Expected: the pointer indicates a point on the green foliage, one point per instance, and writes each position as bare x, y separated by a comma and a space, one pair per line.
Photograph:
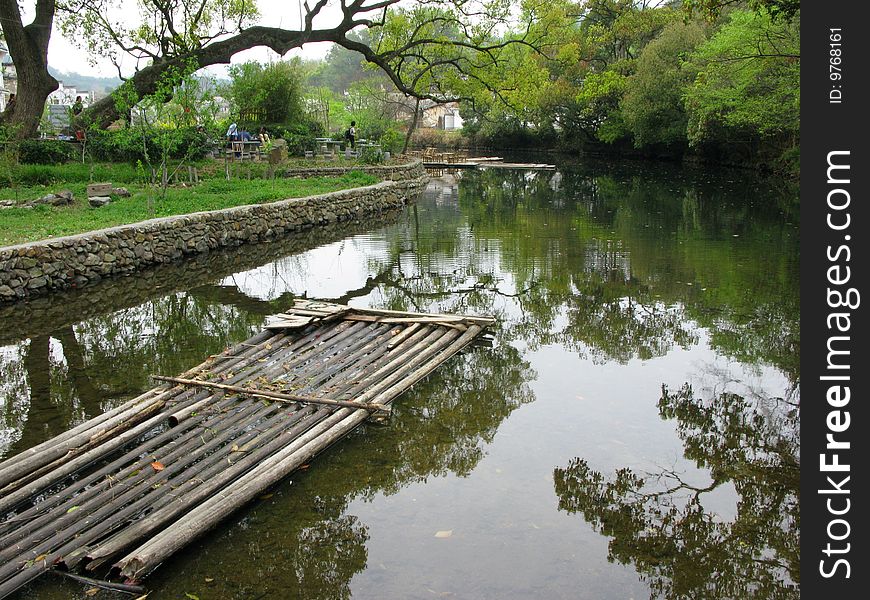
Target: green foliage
75, 173
169, 28
19, 225
299, 136
160, 125
267, 94
748, 79
8, 157
44, 152
652, 105
129, 146
778, 9
391, 140
596, 106
342, 67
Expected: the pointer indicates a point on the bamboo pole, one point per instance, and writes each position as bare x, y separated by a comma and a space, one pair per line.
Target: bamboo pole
216, 508
83, 488
335, 369
403, 335
81, 460
34, 461
104, 521
191, 473
93, 507
46, 452
213, 482
482, 321
146, 526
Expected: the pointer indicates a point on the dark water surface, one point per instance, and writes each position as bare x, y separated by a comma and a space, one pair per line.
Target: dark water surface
632, 433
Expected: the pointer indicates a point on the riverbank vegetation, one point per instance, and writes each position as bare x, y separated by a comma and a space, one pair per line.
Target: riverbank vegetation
18, 225
655, 80
712, 80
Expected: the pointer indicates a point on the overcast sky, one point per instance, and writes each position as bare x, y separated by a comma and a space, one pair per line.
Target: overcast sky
68, 57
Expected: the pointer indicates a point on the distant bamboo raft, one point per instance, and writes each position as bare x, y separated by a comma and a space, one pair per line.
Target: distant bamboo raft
134, 485
440, 162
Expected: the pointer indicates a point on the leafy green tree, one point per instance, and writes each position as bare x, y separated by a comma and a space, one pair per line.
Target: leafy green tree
652, 106
748, 80
269, 93
595, 108
778, 9
342, 67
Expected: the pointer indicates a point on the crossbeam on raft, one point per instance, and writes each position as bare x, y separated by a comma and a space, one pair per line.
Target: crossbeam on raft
273, 395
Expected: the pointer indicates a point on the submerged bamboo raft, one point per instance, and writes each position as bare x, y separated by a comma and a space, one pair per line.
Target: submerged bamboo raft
123, 491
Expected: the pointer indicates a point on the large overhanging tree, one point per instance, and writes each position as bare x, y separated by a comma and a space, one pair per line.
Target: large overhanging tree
436, 42
28, 45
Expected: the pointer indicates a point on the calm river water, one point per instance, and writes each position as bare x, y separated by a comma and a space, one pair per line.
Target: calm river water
632, 432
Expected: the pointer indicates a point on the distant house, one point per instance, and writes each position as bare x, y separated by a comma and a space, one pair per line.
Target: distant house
432, 114
4, 93
66, 95
441, 116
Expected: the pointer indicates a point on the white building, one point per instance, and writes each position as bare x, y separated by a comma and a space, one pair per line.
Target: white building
442, 116
4, 93
66, 96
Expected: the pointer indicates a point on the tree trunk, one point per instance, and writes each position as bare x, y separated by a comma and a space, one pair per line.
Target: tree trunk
412, 127
28, 47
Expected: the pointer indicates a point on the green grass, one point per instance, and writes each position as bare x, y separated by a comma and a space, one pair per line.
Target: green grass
18, 225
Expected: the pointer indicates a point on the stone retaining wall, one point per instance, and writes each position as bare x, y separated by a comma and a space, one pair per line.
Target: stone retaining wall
74, 261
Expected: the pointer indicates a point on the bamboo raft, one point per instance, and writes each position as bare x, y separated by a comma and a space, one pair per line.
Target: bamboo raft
123, 491
486, 163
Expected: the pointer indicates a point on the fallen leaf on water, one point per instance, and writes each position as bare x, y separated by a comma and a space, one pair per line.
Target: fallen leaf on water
157, 465
444, 533
142, 597
71, 509
303, 467
209, 579
191, 596
266, 496
92, 591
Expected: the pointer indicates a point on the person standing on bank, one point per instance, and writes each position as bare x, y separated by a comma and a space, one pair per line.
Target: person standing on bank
10, 104
77, 106
350, 134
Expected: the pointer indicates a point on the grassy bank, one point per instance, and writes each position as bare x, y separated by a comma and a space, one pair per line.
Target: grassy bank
18, 225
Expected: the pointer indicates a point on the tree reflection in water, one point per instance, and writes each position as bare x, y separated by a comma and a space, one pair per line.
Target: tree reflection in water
609, 266
304, 540
658, 522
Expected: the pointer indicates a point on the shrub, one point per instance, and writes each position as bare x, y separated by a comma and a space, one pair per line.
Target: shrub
298, 135
392, 140
44, 152
74, 172
128, 146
